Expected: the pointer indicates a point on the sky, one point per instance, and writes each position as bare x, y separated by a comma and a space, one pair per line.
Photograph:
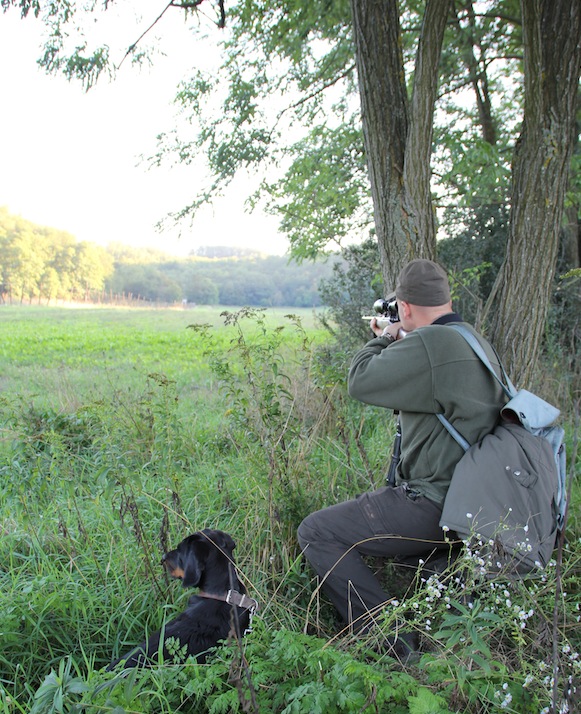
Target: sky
70, 159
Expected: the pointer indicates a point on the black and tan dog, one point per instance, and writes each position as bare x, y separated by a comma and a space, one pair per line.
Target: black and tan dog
221, 606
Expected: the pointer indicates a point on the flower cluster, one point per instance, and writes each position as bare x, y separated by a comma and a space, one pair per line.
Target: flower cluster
505, 695
511, 612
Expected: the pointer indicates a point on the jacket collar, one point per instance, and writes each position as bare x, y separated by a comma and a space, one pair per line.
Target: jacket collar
448, 317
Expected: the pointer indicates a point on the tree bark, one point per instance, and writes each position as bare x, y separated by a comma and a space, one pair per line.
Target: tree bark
397, 136
520, 298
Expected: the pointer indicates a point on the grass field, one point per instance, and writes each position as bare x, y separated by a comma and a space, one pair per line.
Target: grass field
125, 430
65, 356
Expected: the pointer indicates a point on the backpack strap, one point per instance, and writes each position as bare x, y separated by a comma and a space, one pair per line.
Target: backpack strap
454, 432
507, 385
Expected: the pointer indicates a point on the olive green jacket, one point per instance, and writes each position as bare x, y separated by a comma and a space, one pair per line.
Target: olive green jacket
432, 370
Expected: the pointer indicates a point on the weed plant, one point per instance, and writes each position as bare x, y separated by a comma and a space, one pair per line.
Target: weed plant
241, 424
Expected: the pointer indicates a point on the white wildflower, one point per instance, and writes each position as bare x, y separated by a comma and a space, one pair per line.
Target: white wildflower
506, 701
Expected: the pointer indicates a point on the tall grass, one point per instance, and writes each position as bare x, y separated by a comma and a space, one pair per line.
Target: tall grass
143, 428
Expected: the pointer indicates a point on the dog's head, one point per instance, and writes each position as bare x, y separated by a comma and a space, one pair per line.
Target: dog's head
206, 550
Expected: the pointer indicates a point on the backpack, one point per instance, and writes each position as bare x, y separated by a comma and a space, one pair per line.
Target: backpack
509, 489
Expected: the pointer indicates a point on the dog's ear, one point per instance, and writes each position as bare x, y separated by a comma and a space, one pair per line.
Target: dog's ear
227, 542
222, 541
193, 561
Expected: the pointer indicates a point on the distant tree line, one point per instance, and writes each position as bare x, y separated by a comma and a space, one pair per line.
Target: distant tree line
46, 265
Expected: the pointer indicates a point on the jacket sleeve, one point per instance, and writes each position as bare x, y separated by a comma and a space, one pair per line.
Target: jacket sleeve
395, 376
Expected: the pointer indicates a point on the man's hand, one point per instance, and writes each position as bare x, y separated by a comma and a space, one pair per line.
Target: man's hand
393, 329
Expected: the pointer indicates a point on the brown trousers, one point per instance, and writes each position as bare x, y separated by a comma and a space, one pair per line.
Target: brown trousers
388, 522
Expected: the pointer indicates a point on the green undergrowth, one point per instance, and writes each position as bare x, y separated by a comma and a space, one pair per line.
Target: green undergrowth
252, 434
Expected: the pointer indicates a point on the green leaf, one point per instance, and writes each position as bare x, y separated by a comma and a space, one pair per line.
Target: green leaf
426, 702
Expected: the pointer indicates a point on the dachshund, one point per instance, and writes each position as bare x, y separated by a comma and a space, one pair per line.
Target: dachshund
220, 608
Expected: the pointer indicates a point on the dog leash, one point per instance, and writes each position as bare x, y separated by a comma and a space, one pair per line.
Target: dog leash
237, 598
233, 596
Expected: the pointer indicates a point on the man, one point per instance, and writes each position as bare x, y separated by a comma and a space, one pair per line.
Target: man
419, 368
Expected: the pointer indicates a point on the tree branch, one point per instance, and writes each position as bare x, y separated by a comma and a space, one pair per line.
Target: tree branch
190, 4
138, 40
319, 90
185, 5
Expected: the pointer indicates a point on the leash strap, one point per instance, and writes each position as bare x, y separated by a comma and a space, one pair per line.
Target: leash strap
233, 597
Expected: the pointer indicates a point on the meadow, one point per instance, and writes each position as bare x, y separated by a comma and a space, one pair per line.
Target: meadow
125, 430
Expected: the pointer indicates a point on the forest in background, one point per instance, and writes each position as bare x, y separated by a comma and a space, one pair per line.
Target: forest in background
43, 265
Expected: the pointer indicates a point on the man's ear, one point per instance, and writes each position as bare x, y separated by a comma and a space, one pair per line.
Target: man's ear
404, 309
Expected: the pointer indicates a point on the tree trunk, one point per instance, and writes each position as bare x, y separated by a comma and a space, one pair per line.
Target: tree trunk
570, 248
398, 139
552, 65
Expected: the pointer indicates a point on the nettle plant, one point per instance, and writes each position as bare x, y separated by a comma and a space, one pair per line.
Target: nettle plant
269, 399
253, 378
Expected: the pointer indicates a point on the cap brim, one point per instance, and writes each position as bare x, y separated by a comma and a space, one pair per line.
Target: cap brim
390, 297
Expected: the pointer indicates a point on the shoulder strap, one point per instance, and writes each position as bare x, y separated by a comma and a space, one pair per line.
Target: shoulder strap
508, 388
507, 385
453, 432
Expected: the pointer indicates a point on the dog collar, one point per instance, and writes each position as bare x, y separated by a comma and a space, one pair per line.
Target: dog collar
233, 597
